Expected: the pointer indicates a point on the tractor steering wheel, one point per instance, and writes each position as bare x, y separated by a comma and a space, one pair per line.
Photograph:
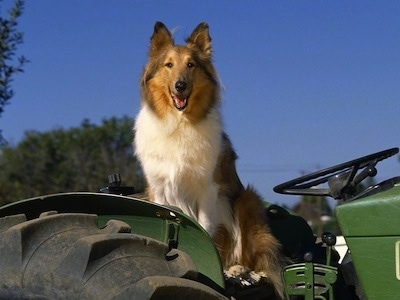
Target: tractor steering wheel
341, 179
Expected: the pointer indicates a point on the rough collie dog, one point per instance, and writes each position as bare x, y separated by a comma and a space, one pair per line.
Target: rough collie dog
189, 161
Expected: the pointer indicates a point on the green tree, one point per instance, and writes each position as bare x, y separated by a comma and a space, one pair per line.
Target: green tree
10, 38
317, 212
77, 159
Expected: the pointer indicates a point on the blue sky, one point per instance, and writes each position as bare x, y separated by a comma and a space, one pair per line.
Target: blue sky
307, 84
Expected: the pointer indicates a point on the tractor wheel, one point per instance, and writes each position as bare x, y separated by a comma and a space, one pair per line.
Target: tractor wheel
66, 256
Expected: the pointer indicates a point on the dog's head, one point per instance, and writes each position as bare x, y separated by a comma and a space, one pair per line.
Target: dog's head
180, 77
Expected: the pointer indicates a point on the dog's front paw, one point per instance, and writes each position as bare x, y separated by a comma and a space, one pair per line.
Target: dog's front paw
242, 276
236, 270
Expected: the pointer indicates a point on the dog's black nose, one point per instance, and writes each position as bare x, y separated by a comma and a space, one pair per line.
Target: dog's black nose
180, 86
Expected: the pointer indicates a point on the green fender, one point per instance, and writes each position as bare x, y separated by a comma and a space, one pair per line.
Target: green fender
162, 223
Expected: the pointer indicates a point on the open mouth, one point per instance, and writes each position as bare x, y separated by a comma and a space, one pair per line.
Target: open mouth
180, 101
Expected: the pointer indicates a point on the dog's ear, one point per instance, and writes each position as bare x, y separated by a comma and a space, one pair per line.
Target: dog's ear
160, 39
200, 38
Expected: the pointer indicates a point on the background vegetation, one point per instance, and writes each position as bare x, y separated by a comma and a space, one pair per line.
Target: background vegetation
10, 65
77, 159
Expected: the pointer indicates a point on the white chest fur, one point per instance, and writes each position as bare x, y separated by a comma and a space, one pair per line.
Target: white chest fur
179, 159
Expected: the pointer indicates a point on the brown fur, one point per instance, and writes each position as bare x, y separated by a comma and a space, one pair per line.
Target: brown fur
157, 80
261, 251
192, 63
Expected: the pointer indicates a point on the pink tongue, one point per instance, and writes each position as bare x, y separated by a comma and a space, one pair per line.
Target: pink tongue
179, 101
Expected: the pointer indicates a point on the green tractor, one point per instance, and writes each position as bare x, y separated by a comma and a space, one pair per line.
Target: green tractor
112, 245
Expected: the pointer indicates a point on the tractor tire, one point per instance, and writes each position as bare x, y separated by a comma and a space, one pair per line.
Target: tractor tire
66, 256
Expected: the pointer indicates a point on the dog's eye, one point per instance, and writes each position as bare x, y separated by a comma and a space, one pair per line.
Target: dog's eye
169, 65
190, 65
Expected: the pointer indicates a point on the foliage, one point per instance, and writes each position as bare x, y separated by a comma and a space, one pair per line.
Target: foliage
78, 159
10, 38
318, 214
